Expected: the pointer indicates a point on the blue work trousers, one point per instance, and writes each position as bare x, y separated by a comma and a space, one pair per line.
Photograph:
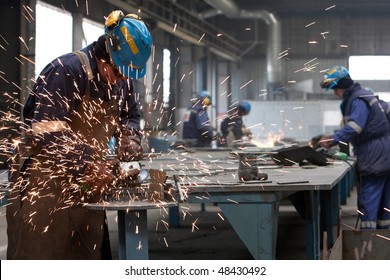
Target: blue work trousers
374, 202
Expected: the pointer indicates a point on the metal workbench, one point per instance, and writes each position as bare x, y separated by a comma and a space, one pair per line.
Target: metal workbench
253, 208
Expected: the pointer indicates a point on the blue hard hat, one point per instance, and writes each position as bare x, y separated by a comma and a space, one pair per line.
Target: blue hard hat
129, 43
205, 97
333, 76
246, 107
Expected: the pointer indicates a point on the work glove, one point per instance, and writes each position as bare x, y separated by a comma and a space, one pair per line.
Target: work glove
129, 147
246, 132
314, 142
326, 141
97, 177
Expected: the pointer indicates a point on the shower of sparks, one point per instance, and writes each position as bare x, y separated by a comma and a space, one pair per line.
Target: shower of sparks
255, 125
194, 226
26, 58
310, 61
225, 80
166, 225
21, 39
201, 38
177, 61
1, 36
384, 237
283, 54
263, 93
166, 242
29, 11
331, 7
323, 34
310, 24
325, 140
246, 84
348, 226
308, 66
231, 200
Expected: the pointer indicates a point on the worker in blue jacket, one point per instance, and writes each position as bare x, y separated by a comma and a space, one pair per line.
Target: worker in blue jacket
366, 128
79, 101
196, 123
232, 127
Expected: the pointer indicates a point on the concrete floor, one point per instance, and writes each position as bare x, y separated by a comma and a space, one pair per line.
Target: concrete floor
213, 238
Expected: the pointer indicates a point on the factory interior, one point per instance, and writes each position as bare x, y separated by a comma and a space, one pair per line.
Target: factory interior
268, 196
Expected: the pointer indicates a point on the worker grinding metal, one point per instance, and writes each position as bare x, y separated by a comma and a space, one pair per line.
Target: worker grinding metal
366, 127
79, 101
233, 128
196, 123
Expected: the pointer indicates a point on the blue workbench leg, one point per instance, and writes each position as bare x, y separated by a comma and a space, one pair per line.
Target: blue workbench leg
312, 224
344, 189
133, 235
330, 206
174, 217
257, 226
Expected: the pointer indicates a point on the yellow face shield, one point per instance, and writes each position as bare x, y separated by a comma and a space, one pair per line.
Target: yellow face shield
206, 101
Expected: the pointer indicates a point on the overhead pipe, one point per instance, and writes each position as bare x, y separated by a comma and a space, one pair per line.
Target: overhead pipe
274, 37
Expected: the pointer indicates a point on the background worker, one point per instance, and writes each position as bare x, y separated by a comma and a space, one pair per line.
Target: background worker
233, 128
78, 102
366, 127
196, 123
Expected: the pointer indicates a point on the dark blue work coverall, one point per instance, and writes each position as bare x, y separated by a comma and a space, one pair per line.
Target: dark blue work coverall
366, 127
196, 125
78, 115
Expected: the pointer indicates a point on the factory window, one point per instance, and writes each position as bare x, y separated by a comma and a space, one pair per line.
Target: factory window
369, 67
53, 34
166, 75
91, 31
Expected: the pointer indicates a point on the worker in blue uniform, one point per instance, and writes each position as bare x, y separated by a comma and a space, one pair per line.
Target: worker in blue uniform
196, 123
232, 127
366, 127
79, 101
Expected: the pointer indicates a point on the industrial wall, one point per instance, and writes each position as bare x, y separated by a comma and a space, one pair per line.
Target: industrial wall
272, 121
310, 44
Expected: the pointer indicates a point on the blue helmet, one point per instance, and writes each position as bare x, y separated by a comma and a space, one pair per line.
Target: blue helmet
129, 43
205, 97
244, 107
333, 76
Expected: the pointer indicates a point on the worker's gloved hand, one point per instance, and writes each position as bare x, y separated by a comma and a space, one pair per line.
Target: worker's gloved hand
326, 141
97, 176
129, 147
314, 142
246, 132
